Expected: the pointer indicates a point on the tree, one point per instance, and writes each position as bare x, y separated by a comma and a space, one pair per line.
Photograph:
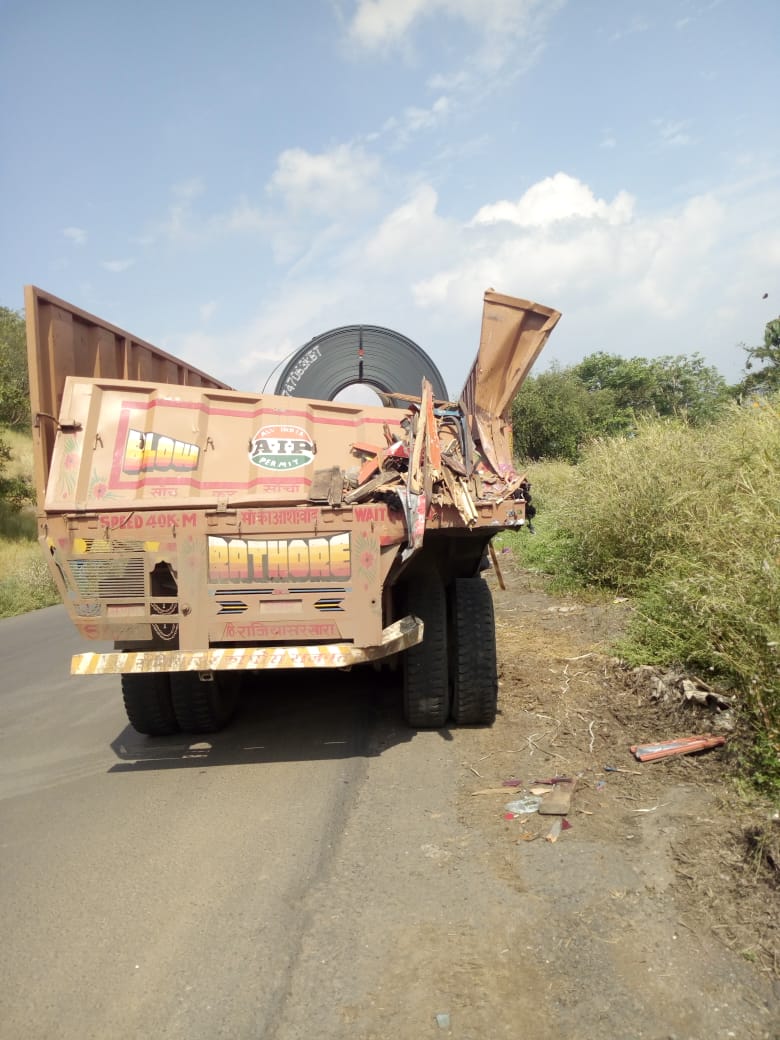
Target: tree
14, 491
632, 382
14, 401
680, 385
555, 413
558, 411
767, 377
14, 380
686, 386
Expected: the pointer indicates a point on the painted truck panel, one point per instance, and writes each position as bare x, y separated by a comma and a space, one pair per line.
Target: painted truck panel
206, 529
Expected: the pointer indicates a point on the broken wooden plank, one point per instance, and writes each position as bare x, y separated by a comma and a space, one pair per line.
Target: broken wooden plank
433, 445
336, 489
378, 483
496, 568
558, 801
371, 465
414, 481
321, 484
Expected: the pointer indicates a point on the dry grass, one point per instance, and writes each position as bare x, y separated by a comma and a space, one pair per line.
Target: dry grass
687, 523
25, 583
21, 462
24, 579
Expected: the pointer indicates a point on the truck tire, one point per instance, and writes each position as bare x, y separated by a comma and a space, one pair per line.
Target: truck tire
202, 707
473, 653
149, 705
425, 671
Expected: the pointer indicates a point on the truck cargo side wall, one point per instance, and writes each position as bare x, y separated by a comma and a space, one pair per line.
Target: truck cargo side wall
64, 341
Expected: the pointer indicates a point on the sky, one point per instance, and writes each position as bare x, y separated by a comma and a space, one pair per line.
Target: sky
227, 180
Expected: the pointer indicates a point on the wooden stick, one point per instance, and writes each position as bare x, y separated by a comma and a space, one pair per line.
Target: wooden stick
494, 558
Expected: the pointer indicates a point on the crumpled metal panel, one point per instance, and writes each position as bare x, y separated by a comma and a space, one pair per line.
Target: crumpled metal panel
513, 334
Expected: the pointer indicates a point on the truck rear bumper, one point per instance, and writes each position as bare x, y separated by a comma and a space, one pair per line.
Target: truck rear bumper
398, 636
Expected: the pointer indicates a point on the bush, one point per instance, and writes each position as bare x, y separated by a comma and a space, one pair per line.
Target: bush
687, 521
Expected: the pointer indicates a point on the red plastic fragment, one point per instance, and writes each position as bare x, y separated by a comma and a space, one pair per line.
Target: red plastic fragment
683, 746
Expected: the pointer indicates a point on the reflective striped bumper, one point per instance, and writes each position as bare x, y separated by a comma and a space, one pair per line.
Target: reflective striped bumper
398, 636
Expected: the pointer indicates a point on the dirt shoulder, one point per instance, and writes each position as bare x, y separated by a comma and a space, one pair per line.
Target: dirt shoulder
654, 899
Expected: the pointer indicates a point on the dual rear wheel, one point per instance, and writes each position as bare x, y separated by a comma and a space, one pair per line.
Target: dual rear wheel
159, 704
453, 672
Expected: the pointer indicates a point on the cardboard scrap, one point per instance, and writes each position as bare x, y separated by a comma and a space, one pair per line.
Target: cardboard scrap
558, 801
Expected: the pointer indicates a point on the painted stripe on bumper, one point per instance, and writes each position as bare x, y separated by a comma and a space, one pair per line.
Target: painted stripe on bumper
398, 636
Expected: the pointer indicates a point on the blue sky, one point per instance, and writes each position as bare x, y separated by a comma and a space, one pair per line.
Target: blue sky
228, 180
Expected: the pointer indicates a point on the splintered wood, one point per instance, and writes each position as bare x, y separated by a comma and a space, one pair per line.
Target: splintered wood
435, 462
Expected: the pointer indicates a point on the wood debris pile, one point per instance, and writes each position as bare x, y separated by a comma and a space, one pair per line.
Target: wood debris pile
436, 463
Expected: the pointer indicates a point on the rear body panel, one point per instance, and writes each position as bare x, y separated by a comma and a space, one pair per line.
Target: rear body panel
181, 517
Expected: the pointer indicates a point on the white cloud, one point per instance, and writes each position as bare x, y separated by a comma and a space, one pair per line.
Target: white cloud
178, 222
187, 190
652, 266
332, 182
673, 133
117, 266
554, 199
186, 224
77, 235
498, 29
242, 218
380, 22
207, 310
414, 119
636, 25
411, 234
246, 356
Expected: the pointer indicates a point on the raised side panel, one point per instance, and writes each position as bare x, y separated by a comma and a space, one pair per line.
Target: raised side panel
64, 341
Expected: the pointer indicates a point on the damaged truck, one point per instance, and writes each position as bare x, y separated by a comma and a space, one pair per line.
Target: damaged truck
210, 534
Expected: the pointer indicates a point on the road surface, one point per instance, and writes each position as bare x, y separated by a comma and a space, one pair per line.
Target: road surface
309, 873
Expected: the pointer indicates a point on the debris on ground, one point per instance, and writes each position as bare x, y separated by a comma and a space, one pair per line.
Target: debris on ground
558, 801
568, 707
555, 832
683, 746
671, 686
524, 806
556, 829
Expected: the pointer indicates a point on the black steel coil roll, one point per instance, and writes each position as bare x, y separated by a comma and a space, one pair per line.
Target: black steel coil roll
354, 354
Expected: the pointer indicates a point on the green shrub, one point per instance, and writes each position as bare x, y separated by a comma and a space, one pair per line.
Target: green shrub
687, 521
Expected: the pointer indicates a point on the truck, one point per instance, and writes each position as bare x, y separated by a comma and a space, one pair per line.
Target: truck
210, 534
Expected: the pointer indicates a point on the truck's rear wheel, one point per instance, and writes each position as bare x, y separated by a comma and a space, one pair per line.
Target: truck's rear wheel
473, 653
202, 706
148, 704
426, 680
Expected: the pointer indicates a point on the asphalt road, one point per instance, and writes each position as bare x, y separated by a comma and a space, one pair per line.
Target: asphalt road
319, 871
256, 884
